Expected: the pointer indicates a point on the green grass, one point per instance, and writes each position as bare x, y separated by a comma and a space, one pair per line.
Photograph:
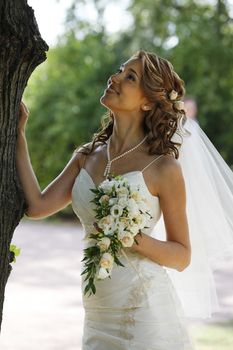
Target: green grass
218, 336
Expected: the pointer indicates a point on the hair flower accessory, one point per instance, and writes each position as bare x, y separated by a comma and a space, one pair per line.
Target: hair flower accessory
179, 105
173, 95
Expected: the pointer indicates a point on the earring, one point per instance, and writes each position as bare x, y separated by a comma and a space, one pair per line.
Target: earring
145, 108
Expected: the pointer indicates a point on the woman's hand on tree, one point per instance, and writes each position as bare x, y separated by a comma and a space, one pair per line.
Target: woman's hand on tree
23, 116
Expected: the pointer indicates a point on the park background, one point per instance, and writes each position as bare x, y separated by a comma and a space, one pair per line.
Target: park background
43, 300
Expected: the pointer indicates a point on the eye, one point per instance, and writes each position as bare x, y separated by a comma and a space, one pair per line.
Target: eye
130, 76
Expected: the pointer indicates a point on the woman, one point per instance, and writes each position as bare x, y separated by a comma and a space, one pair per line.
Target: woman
138, 307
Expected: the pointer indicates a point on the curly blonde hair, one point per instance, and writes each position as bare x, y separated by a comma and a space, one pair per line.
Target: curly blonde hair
162, 121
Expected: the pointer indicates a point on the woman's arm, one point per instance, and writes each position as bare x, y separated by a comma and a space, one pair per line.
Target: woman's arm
175, 252
57, 194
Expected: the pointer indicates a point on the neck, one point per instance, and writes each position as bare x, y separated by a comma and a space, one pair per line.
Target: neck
126, 134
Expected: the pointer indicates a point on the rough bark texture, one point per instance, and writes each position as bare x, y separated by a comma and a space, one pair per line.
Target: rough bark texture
21, 50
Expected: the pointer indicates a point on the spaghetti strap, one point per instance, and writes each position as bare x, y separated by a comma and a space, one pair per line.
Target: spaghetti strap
84, 159
151, 162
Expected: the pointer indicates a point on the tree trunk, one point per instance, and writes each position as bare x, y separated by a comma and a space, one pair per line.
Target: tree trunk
21, 50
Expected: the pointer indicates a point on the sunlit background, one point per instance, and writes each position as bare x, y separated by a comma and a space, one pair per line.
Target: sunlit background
88, 40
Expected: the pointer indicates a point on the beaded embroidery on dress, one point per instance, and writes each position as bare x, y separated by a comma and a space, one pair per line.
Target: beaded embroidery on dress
138, 307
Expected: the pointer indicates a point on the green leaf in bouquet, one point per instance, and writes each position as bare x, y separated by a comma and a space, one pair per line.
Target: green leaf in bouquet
117, 261
94, 190
91, 251
93, 288
90, 287
88, 275
84, 271
87, 288
85, 258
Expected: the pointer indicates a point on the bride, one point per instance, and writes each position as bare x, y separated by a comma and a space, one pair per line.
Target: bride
144, 140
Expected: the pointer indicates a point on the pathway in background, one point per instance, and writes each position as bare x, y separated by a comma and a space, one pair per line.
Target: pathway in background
43, 308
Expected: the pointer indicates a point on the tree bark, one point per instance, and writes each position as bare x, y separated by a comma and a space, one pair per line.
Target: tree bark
21, 50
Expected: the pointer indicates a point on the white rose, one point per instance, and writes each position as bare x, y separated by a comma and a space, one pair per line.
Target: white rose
107, 261
105, 221
103, 273
116, 210
136, 196
122, 191
106, 186
122, 201
126, 238
104, 199
104, 243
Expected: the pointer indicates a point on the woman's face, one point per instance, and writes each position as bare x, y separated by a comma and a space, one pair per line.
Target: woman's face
124, 92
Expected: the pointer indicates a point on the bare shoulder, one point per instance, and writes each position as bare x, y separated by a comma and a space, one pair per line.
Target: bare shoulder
169, 163
82, 152
169, 170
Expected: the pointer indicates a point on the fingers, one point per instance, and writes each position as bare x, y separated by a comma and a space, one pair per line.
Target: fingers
23, 107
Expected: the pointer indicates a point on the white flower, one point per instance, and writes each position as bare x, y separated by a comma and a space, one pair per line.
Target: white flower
107, 186
109, 230
104, 243
122, 191
134, 188
104, 199
105, 221
126, 238
107, 224
120, 226
173, 95
125, 221
116, 211
122, 201
107, 261
141, 220
132, 207
179, 105
136, 196
112, 201
134, 229
103, 273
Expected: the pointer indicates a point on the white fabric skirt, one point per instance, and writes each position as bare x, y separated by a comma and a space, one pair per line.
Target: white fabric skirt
135, 310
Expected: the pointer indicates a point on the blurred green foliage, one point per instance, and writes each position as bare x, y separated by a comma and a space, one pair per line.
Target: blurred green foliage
212, 336
63, 94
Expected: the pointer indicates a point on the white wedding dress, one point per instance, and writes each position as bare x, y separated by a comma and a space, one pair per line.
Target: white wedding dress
138, 308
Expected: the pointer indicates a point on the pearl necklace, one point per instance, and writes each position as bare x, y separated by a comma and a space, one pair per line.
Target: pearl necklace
108, 166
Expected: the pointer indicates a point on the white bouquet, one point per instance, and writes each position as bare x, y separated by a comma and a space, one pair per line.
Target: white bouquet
121, 212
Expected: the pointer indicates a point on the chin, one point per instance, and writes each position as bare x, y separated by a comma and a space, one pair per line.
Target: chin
104, 102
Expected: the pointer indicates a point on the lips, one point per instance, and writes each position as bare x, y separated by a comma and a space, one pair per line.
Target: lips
112, 88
